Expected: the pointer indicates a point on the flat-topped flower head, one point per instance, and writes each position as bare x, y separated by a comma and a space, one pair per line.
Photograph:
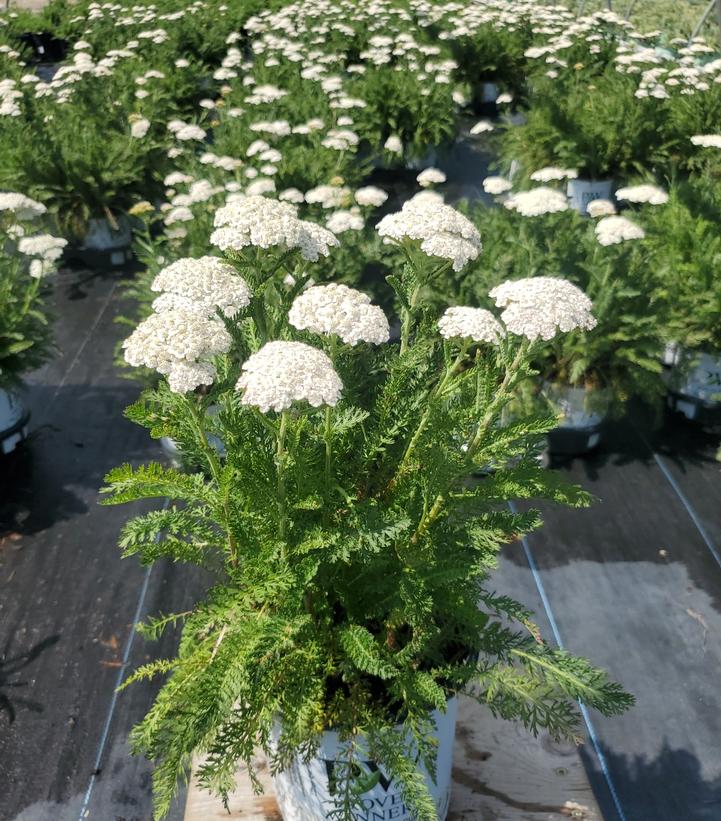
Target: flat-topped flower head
476, 324
539, 307
370, 195
180, 344
205, 283
552, 174
650, 194
281, 373
537, 201
600, 208
267, 223
482, 127
430, 176
707, 140
22, 207
345, 220
393, 144
44, 246
496, 185
342, 311
614, 230
442, 231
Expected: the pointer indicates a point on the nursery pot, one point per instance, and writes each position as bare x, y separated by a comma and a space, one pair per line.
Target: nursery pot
483, 100
581, 192
305, 790
107, 243
13, 421
582, 412
695, 389
47, 48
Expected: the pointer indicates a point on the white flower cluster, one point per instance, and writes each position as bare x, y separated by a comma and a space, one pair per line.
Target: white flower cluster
537, 201
707, 140
139, 128
328, 196
496, 185
342, 311
539, 307
552, 174
185, 131
430, 176
600, 208
179, 344
46, 249
21, 206
650, 194
614, 230
477, 324
393, 144
202, 284
370, 195
442, 231
281, 373
345, 220
482, 127
265, 223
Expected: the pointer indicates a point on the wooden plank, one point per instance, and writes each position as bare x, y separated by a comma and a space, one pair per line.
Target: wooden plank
500, 773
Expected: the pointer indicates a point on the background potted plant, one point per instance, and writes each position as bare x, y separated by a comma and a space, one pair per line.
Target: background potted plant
685, 233
592, 123
87, 161
26, 258
582, 375
351, 555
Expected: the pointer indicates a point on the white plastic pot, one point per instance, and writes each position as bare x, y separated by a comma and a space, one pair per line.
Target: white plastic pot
696, 386
13, 421
581, 414
102, 237
305, 790
582, 192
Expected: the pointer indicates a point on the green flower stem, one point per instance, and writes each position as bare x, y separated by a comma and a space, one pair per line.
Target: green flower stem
451, 371
280, 462
502, 395
216, 471
332, 350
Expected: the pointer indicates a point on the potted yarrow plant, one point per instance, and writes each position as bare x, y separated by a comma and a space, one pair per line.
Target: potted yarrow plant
350, 548
689, 252
26, 258
593, 124
583, 375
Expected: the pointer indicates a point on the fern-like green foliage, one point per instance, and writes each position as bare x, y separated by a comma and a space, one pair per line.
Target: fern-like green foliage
352, 550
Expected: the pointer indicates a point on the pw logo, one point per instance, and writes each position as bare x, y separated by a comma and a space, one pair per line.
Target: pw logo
373, 776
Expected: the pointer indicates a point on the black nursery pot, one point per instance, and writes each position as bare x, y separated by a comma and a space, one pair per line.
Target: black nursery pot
563, 441
697, 410
483, 101
47, 48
